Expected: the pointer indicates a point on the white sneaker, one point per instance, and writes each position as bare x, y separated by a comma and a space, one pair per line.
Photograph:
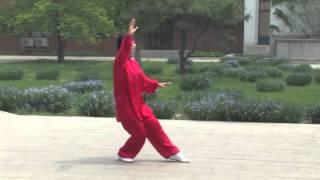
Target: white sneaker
126, 160
179, 158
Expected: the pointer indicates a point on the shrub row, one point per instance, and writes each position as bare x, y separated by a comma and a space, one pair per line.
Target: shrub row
225, 107
96, 104
191, 82
255, 60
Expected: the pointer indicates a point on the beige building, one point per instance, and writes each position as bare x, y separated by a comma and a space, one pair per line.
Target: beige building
260, 39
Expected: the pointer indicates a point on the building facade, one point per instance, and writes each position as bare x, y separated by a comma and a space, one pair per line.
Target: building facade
285, 42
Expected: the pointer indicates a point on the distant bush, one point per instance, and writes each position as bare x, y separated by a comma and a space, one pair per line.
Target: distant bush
241, 60
84, 86
270, 85
255, 60
291, 113
233, 63
88, 75
226, 70
83, 53
206, 54
274, 73
52, 99
224, 107
173, 61
10, 99
153, 70
316, 76
195, 81
286, 67
11, 74
271, 61
188, 67
211, 106
163, 109
203, 69
231, 72
150, 97
299, 79
96, 104
314, 112
302, 68
48, 75
218, 68
253, 74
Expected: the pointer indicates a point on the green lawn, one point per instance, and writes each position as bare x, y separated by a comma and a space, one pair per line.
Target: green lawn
70, 70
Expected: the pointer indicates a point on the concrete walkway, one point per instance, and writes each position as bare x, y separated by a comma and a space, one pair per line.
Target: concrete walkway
78, 148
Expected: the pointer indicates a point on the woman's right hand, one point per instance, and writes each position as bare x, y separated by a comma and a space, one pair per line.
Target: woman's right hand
164, 84
132, 27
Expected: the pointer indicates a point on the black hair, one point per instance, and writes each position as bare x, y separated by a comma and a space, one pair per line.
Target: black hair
119, 41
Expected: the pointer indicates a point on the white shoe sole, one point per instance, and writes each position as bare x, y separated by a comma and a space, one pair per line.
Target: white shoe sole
125, 160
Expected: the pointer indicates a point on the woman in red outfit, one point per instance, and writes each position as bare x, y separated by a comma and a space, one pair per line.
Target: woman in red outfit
136, 117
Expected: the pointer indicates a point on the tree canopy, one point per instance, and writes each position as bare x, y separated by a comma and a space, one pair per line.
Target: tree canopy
78, 19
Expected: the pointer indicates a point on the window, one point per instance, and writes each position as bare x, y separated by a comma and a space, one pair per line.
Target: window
264, 22
160, 39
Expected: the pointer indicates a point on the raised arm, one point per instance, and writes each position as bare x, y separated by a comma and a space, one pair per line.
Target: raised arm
127, 41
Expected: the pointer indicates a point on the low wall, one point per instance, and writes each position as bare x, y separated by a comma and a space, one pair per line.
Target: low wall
297, 49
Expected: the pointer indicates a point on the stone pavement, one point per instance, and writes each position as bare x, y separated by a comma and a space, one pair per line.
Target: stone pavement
78, 148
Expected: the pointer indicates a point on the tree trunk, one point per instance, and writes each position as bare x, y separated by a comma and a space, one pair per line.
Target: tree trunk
183, 59
61, 43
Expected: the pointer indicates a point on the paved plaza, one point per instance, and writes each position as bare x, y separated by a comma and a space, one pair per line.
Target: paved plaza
78, 148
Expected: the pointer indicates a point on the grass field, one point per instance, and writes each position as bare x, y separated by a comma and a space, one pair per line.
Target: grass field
70, 70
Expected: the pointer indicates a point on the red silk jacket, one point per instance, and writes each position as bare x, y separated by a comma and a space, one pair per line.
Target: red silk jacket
130, 83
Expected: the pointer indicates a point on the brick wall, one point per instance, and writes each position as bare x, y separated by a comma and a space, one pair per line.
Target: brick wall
227, 40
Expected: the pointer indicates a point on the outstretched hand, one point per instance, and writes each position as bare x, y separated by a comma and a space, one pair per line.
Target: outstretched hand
164, 84
132, 27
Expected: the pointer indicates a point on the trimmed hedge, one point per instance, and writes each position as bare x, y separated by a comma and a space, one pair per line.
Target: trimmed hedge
163, 109
173, 61
11, 74
10, 99
52, 99
302, 68
48, 75
314, 112
316, 76
88, 75
191, 82
274, 73
96, 104
206, 54
84, 86
153, 70
252, 75
299, 79
224, 107
233, 63
286, 67
256, 60
270, 85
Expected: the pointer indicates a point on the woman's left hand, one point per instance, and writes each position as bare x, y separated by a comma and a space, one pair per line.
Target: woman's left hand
164, 84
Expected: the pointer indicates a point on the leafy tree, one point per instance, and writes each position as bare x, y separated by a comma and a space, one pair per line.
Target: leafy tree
78, 19
188, 15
